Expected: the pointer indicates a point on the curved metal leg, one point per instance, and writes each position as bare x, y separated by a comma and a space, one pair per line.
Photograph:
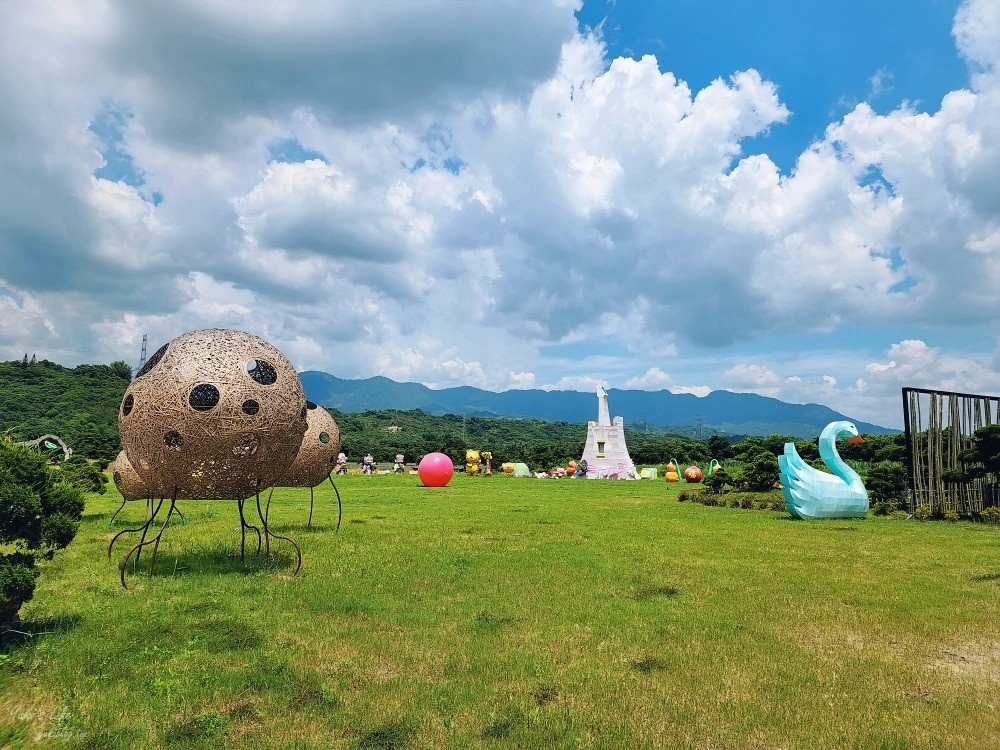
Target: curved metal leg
268, 534
243, 531
111, 522
137, 549
340, 505
144, 528
309, 525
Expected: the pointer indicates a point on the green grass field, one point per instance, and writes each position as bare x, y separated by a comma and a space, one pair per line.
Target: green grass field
500, 612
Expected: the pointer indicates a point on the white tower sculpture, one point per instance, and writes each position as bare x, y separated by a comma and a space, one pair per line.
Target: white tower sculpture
605, 452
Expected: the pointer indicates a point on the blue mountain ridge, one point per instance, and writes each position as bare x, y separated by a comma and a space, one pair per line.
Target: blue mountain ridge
721, 411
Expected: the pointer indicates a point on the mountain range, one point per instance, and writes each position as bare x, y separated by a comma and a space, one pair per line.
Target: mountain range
722, 412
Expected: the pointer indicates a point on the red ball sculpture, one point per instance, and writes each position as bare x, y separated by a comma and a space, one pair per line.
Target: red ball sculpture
692, 474
435, 470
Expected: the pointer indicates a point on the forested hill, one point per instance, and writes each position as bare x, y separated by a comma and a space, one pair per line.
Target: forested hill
79, 404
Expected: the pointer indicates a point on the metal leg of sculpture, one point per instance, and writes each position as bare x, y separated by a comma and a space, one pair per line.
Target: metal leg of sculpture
153, 513
111, 522
137, 549
309, 525
144, 528
243, 531
268, 534
340, 505
156, 546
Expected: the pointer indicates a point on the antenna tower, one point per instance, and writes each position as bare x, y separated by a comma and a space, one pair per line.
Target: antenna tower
142, 357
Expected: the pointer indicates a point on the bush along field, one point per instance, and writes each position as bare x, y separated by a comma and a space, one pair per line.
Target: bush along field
516, 613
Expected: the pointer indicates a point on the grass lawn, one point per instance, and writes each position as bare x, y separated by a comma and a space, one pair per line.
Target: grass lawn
500, 612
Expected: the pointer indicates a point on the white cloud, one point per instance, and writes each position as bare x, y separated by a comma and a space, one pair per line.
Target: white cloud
654, 379
575, 383
493, 188
695, 390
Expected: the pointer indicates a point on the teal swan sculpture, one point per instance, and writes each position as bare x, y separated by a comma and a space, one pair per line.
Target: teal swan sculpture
811, 493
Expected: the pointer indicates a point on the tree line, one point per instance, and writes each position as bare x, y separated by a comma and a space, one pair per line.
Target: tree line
79, 404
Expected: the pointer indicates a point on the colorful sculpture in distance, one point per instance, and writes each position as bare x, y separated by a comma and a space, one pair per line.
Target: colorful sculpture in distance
672, 472
435, 470
605, 451
692, 475
472, 462
813, 494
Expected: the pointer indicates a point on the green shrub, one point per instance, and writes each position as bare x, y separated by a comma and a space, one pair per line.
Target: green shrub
84, 475
991, 515
38, 515
923, 513
886, 485
885, 508
718, 482
899, 515
951, 515
762, 472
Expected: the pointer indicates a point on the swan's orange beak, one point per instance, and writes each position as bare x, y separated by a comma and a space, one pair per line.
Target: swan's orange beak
855, 439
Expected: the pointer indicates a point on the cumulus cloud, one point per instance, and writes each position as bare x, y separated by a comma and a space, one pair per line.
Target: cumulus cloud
487, 187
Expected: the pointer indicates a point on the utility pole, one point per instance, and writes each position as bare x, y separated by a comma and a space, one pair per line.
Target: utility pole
142, 357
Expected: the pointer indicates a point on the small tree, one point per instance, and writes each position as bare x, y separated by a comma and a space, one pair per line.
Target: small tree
983, 458
762, 472
717, 482
82, 474
38, 515
886, 485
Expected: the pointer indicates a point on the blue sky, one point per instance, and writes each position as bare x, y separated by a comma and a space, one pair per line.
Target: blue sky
769, 197
825, 58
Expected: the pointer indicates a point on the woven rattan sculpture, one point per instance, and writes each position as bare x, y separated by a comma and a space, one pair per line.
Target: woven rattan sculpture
128, 481
214, 414
131, 487
317, 456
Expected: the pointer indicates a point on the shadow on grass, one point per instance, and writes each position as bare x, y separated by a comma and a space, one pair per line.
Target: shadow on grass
487, 622
394, 736
987, 577
21, 632
504, 725
216, 559
653, 591
648, 665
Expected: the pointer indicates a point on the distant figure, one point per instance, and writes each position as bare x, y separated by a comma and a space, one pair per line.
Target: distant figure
341, 466
581, 470
368, 464
398, 466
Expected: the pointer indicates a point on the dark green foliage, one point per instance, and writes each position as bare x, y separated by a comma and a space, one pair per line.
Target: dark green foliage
886, 485
761, 473
983, 458
83, 474
20, 514
17, 583
78, 404
38, 515
717, 482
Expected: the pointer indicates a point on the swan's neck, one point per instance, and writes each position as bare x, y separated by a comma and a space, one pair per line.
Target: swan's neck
828, 452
